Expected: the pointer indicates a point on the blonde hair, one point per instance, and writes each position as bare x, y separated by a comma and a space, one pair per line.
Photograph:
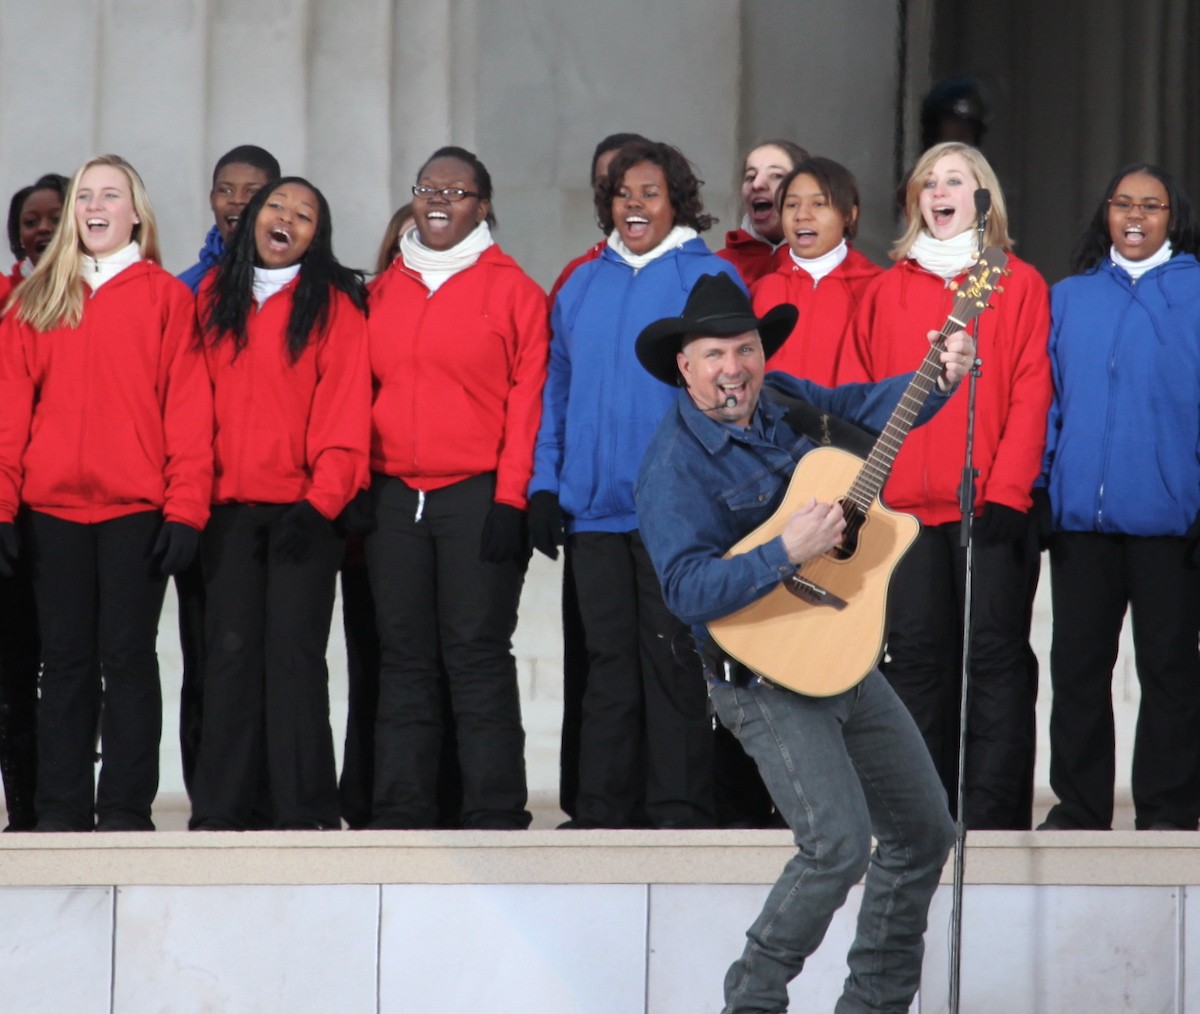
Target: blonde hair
996, 233
53, 294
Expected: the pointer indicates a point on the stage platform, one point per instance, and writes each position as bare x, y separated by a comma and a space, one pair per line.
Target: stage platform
562, 922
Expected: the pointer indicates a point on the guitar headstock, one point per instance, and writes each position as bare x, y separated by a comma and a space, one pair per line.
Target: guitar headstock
972, 296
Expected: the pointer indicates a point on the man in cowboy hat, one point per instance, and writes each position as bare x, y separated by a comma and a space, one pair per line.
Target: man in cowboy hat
842, 768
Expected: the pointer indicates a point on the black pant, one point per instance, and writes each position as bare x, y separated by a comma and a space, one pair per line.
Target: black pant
20, 653
266, 683
646, 737
1093, 578
439, 606
98, 591
575, 671
924, 665
356, 785
189, 589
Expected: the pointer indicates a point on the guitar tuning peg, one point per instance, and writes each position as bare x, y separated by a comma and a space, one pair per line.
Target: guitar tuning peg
981, 304
954, 286
999, 288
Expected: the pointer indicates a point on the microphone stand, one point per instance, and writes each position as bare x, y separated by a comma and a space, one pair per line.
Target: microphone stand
983, 203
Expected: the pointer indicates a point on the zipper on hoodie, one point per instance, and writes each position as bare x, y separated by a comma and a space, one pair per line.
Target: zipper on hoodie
1108, 414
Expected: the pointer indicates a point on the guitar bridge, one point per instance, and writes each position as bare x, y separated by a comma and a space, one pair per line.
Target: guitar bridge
813, 593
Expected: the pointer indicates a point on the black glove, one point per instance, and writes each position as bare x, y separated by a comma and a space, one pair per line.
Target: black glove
176, 546
358, 516
1000, 524
1191, 544
1043, 516
505, 535
296, 529
10, 547
545, 523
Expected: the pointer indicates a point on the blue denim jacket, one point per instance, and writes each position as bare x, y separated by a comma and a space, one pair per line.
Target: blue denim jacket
704, 484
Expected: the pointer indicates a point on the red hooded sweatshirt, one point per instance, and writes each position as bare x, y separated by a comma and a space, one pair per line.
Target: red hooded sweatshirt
826, 308
458, 375
114, 416
752, 257
888, 336
288, 431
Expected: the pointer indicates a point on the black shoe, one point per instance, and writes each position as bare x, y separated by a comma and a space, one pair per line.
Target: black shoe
52, 825
1055, 823
123, 824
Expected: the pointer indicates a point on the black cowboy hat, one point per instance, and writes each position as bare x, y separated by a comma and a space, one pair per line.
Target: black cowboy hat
716, 308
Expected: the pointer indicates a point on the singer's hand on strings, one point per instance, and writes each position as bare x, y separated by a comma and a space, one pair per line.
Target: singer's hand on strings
812, 530
957, 359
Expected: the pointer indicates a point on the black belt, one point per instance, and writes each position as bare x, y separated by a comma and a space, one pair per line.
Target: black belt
720, 667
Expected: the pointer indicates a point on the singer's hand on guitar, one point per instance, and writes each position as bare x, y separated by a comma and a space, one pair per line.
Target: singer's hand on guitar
957, 359
812, 530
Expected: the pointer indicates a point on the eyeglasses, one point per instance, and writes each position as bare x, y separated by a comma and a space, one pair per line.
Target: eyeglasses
1145, 207
449, 193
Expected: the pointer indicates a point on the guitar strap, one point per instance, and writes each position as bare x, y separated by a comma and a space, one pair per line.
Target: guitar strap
823, 429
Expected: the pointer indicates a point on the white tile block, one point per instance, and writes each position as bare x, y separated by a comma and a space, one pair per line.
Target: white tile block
246, 950
1104, 950
698, 930
513, 949
55, 949
1190, 949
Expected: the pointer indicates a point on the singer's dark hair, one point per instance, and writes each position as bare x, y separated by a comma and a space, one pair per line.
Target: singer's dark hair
613, 142
320, 273
1096, 240
51, 181
837, 184
683, 187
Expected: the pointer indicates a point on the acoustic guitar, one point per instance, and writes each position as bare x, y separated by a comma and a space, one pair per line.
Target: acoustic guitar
822, 630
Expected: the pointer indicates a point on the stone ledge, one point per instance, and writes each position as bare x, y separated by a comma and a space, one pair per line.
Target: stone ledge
556, 857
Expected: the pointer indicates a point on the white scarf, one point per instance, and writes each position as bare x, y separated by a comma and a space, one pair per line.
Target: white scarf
97, 271
437, 266
819, 267
678, 235
1135, 269
946, 258
268, 281
751, 231
25, 267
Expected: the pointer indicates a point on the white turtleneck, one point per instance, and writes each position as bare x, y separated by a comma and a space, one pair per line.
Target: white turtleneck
98, 270
748, 228
678, 235
819, 267
1135, 269
268, 281
437, 266
946, 258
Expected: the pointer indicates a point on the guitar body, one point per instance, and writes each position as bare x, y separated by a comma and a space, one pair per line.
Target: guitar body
816, 648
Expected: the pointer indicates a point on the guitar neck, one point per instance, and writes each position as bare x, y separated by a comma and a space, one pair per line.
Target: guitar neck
878, 466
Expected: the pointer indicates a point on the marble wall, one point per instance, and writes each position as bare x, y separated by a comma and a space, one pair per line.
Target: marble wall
570, 949
356, 93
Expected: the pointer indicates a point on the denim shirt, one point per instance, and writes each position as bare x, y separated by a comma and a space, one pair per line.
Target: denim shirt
704, 484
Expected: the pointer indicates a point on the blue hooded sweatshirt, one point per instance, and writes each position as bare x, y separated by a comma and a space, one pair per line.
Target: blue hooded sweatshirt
1123, 435
210, 253
599, 407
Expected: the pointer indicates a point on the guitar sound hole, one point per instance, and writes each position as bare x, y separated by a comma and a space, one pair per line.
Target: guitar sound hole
854, 523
